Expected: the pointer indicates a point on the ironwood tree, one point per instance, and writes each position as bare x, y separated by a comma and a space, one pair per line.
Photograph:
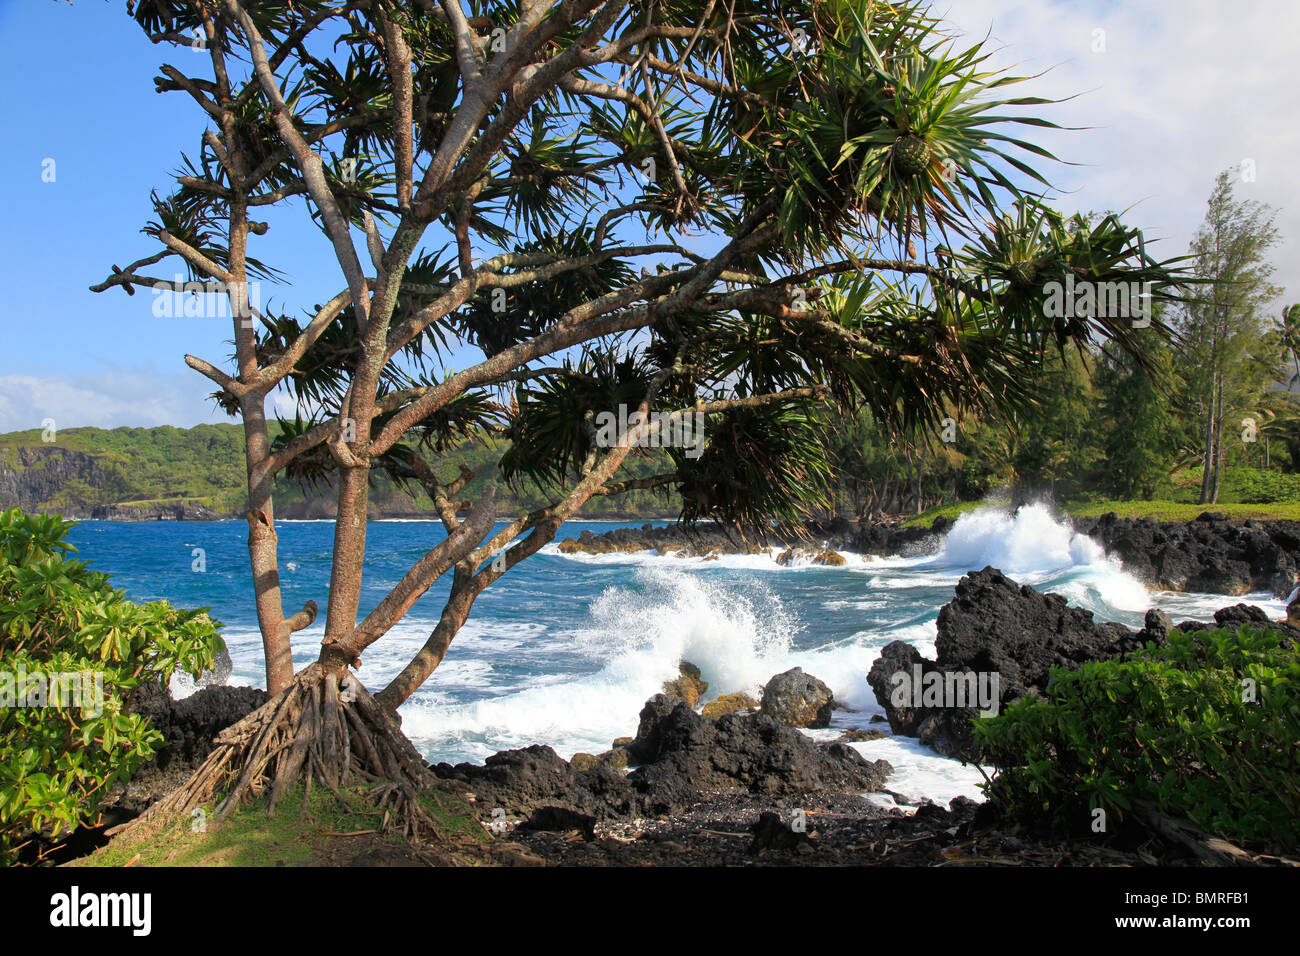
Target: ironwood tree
1229, 367
748, 212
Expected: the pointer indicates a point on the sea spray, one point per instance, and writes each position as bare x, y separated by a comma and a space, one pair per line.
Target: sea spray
536, 664
734, 631
736, 625
1030, 540
1035, 548
737, 632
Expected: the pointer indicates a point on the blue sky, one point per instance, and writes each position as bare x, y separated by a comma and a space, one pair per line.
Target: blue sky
1179, 90
81, 357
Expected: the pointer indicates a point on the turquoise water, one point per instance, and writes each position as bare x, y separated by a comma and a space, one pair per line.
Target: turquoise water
565, 650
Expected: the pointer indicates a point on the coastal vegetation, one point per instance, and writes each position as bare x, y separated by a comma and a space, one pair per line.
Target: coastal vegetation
512, 200
73, 651
777, 273
1210, 414
1203, 726
145, 472
1157, 510
1108, 425
1106, 428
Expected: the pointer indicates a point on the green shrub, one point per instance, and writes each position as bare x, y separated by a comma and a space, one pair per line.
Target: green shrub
1257, 486
63, 747
1173, 725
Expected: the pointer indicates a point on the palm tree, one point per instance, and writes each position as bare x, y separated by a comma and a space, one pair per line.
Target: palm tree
1287, 329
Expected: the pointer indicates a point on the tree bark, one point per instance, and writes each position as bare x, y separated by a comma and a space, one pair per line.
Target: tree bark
1218, 444
349, 552
263, 554
1208, 451
263, 547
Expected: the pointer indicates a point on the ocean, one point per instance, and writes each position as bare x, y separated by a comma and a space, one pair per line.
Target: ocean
565, 649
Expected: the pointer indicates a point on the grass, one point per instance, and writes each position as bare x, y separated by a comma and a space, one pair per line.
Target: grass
1184, 511
953, 511
318, 831
1160, 510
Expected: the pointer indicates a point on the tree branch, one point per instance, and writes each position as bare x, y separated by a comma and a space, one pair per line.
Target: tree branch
336, 226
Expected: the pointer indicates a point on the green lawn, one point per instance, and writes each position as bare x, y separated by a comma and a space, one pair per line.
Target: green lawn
1184, 511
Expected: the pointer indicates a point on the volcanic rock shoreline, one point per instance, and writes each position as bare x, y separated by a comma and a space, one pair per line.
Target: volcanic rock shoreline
743, 789
680, 757
749, 788
995, 626
1210, 554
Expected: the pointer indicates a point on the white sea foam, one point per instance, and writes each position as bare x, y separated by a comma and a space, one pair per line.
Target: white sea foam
579, 681
919, 773
737, 633
1028, 540
1035, 548
764, 560
1201, 607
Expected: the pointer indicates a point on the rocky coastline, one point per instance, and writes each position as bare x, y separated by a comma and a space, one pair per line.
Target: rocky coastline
995, 626
705, 791
1210, 554
730, 780
315, 509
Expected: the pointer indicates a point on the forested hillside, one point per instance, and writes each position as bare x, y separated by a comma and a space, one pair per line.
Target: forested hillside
199, 473
1107, 433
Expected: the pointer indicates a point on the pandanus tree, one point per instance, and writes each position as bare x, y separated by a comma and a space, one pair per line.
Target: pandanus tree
746, 213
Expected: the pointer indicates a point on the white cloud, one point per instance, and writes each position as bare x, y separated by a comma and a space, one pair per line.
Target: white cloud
284, 405
106, 399
1184, 89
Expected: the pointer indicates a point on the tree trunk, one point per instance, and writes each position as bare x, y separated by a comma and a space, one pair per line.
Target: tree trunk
263, 546
1208, 453
1218, 444
920, 468
349, 554
263, 553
